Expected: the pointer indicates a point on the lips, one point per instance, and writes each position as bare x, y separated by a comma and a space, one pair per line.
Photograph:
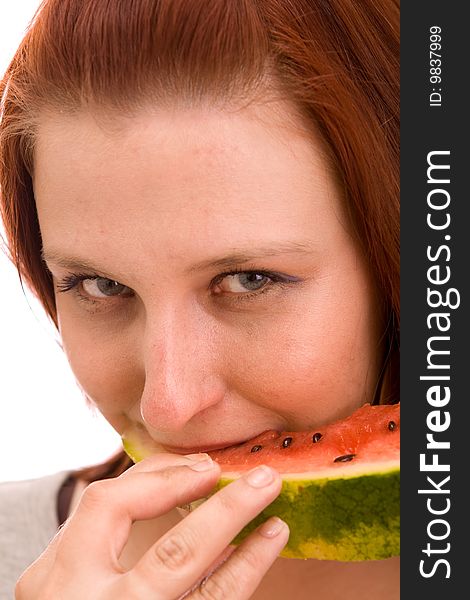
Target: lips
204, 448
139, 444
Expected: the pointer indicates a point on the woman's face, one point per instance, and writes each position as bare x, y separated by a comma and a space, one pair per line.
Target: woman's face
208, 287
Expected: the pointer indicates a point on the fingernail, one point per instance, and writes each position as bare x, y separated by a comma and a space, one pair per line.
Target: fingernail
260, 476
203, 465
272, 527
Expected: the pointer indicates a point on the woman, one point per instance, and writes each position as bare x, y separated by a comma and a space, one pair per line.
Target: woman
204, 197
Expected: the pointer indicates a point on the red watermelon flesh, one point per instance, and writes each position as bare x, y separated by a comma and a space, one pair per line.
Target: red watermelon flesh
370, 435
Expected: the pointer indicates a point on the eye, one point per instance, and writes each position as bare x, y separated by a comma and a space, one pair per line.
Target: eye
239, 283
101, 287
88, 286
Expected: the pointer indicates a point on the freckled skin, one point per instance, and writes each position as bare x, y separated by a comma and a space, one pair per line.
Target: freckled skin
185, 361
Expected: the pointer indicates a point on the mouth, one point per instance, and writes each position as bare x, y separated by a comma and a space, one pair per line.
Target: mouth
138, 444
204, 448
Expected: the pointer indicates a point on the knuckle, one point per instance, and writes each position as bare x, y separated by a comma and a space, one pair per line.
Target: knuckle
227, 501
167, 474
248, 560
96, 494
27, 587
213, 589
235, 578
21, 587
174, 551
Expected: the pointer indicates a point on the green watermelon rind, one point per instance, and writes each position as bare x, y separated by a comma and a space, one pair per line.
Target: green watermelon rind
344, 519
342, 511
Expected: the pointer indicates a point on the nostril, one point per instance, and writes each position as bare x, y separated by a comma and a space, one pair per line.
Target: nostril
172, 413
181, 379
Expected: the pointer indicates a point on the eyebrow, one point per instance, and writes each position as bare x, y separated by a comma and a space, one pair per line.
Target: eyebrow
241, 256
238, 256
68, 262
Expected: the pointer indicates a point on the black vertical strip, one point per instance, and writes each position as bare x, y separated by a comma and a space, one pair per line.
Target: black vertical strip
435, 257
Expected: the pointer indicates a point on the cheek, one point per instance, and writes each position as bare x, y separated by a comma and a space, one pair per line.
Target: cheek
316, 368
104, 367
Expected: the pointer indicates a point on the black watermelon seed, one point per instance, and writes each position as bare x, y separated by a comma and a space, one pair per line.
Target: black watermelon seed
344, 458
286, 442
392, 425
316, 437
256, 448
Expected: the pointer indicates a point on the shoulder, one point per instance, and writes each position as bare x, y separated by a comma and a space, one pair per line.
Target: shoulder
28, 521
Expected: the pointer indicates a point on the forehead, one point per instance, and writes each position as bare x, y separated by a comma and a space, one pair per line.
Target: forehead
175, 178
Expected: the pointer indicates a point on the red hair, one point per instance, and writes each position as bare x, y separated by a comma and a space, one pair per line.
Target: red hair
337, 61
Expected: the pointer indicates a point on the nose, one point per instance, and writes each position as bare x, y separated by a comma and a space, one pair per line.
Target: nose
181, 368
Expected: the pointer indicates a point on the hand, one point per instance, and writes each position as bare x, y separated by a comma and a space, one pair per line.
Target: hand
82, 561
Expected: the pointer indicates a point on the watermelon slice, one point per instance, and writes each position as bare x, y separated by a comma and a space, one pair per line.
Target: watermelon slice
341, 484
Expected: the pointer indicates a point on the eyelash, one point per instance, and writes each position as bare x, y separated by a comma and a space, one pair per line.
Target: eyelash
277, 281
72, 281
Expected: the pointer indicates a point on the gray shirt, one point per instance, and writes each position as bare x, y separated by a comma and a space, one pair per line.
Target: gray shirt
28, 522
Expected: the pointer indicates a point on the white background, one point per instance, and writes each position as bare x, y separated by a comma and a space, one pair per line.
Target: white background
45, 424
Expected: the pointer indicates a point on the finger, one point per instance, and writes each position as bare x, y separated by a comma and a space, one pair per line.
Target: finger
32, 579
175, 563
102, 520
241, 574
162, 460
